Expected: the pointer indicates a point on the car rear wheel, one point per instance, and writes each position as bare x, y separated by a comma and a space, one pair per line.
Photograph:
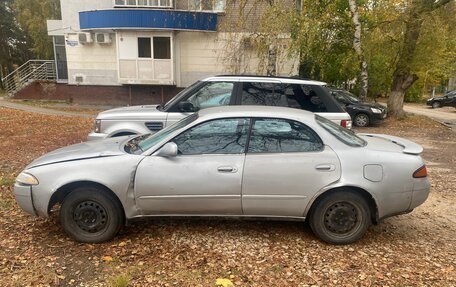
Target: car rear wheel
91, 214
361, 120
340, 217
435, 105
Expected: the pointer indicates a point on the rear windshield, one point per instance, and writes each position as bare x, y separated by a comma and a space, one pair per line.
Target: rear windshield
344, 135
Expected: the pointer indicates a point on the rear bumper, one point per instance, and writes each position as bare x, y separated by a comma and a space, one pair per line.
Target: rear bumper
24, 198
420, 193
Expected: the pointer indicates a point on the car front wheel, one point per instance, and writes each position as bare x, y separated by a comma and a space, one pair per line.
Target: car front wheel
91, 214
435, 105
361, 120
341, 217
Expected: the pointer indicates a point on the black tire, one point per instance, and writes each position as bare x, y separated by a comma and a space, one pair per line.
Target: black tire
91, 215
340, 217
436, 105
361, 120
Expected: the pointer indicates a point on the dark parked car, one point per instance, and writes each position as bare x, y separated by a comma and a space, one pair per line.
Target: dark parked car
362, 113
449, 99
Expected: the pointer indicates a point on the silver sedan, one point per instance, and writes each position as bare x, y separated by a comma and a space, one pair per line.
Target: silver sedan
261, 162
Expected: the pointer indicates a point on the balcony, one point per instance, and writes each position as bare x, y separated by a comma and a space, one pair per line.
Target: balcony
148, 19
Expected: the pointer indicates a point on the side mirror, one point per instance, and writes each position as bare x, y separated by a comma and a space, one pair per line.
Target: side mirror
168, 150
186, 107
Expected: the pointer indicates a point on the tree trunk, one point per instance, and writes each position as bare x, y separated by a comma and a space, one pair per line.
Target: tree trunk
272, 60
396, 96
363, 75
403, 78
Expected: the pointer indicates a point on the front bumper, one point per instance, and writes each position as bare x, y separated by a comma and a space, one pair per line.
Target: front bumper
378, 118
96, 136
24, 198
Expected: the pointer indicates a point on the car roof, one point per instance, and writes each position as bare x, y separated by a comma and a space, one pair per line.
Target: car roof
255, 111
249, 78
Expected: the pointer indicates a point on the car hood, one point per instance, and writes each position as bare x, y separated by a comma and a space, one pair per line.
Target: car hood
380, 142
370, 105
436, 98
133, 112
86, 150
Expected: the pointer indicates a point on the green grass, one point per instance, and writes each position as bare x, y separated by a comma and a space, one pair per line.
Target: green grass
120, 281
7, 181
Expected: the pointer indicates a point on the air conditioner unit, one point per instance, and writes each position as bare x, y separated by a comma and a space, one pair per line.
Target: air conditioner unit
85, 38
103, 38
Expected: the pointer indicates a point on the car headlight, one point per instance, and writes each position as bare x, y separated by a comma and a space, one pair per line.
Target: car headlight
376, 111
97, 126
26, 179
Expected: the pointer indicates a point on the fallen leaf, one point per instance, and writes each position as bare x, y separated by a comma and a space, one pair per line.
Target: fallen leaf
223, 282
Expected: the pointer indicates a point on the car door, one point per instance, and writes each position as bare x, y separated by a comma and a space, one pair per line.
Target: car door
450, 100
286, 164
212, 94
204, 178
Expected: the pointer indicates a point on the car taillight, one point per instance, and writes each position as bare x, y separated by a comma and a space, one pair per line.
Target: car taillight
421, 172
343, 123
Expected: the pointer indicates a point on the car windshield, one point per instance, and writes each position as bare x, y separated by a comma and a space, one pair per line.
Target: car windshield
170, 102
351, 97
142, 143
344, 135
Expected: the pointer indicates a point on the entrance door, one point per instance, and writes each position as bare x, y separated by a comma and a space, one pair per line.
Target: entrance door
60, 58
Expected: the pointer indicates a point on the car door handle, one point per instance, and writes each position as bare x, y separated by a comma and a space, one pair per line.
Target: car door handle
226, 169
325, 167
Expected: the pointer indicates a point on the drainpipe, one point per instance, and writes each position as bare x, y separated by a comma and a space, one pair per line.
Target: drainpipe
162, 95
129, 94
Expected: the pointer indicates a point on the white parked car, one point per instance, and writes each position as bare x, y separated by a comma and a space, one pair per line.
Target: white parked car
250, 161
221, 91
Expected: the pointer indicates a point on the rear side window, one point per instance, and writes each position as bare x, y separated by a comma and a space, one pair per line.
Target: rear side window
281, 136
344, 135
262, 94
282, 95
302, 97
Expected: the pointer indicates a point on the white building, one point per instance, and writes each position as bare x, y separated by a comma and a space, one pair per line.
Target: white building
167, 43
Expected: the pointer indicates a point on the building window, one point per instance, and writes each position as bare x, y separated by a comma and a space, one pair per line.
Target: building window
144, 48
144, 3
207, 5
162, 48
145, 58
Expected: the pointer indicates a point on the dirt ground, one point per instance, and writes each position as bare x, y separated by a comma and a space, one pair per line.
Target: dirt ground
417, 249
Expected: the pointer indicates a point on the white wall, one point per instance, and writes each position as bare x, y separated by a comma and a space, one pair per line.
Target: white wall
200, 55
96, 63
71, 8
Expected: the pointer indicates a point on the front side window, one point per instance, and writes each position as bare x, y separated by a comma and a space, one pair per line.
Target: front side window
281, 136
212, 95
222, 136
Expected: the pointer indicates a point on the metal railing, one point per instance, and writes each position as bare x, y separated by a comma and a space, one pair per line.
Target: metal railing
31, 71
